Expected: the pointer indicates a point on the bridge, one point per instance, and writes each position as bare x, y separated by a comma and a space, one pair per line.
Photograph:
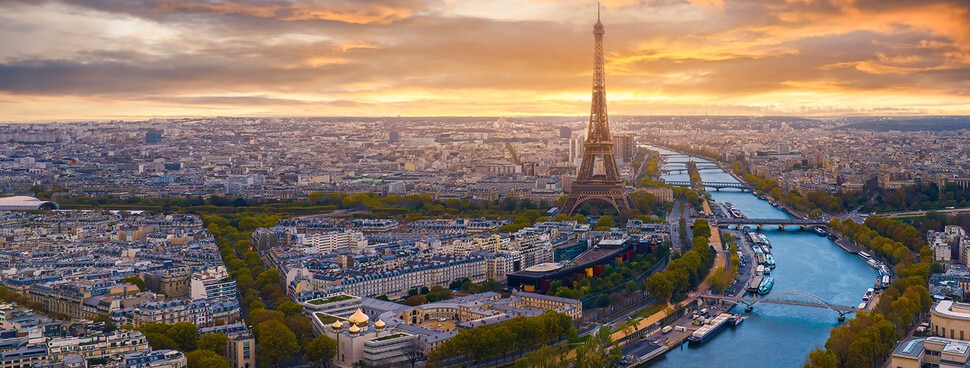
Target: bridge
717, 185
684, 170
789, 297
760, 223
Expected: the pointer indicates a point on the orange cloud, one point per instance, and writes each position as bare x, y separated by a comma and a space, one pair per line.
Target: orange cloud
352, 12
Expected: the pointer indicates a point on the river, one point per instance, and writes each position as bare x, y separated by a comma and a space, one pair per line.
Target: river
776, 335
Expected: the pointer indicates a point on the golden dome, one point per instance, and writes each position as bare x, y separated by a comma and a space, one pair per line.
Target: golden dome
354, 329
359, 318
337, 325
379, 324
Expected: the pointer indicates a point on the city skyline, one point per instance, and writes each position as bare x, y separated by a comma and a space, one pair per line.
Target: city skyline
77, 60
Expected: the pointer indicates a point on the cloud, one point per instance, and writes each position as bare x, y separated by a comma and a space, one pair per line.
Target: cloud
447, 57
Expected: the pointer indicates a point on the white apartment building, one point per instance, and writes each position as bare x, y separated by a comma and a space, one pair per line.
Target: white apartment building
213, 284
333, 241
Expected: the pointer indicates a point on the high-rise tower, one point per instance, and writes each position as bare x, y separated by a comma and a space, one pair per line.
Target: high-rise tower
598, 177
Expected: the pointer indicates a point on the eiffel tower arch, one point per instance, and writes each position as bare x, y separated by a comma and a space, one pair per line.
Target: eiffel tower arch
598, 177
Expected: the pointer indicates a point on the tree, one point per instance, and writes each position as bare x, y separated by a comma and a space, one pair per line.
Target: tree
321, 350
414, 350
159, 341
276, 342
660, 286
258, 316
290, 308
416, 300
604, 223
109, 325
268, 277
185, 334
300, 325
37, 189
214, 342
205, 359
603, 301
137, 281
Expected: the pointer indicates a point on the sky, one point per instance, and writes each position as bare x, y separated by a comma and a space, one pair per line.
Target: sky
110, 59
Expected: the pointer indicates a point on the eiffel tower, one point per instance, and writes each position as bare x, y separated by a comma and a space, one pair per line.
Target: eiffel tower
598, 177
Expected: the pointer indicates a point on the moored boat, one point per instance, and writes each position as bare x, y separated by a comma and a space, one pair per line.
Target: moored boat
707, 331
737, 319
766, 283
754, 283
764, 239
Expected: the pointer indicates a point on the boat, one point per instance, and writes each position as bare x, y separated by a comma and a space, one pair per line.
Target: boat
862, 305
764, 239
737, 319
864, 255
873, 263
737, 213
820, 231
770, 261
765, 286
707, 331
760, 270
886, 281
884, 271
754, 283
832, 236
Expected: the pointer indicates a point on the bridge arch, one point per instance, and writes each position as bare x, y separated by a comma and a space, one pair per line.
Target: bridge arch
792, 297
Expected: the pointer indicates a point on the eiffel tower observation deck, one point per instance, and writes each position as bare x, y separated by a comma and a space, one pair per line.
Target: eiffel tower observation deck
598, 178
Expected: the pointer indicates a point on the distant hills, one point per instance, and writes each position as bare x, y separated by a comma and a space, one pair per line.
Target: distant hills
911, 124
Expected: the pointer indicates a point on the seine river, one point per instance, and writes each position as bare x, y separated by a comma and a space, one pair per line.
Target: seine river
776, 335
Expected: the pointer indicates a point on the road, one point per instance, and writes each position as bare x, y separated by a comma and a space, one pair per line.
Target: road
923, 213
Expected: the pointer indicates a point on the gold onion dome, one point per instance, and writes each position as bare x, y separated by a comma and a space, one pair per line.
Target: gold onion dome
337, 325
354, 329
359, 318
379, 324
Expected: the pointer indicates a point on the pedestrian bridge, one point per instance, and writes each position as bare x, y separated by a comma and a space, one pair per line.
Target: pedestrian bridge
789, 297
684, 170
717, 185
761, 223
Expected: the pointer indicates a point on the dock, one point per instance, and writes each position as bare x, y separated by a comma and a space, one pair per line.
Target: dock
847, 246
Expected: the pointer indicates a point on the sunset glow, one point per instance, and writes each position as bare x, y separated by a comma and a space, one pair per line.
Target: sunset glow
101, 59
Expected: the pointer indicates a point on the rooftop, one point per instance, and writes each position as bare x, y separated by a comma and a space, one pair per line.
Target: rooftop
332, 299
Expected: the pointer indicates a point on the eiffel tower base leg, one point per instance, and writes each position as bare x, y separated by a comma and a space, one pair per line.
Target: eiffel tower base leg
618, 199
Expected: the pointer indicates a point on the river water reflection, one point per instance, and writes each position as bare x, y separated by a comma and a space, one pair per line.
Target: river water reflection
776, 335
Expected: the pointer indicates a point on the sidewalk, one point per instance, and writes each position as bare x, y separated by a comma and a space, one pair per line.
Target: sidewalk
719, 261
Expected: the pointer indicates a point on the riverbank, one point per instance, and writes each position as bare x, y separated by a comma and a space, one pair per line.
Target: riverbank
807, 263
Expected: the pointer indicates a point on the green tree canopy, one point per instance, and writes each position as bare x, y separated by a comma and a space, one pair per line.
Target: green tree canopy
604, 223
159, 341
214, 342
206, 359
185, 334
137, 281
290, 308
321, 350
276, 343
